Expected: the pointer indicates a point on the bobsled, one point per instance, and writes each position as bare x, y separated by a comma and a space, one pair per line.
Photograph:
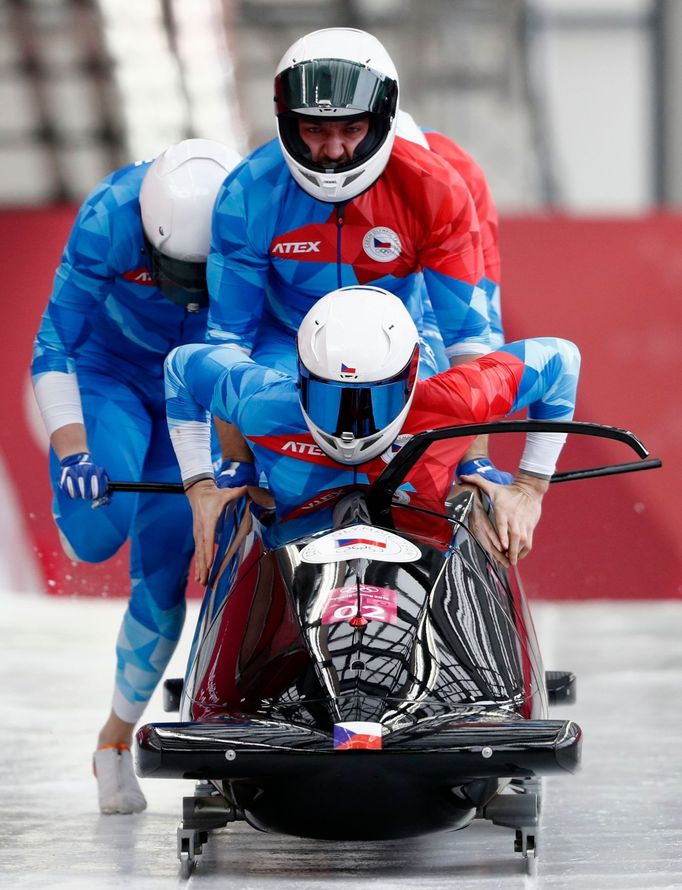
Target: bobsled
365, 670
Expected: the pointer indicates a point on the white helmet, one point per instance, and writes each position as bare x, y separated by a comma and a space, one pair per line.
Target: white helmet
176, 203
336, 74
408, 129
358, 360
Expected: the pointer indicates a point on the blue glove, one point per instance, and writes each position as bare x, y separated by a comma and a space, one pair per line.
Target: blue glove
81, 478
481, 466
233, 474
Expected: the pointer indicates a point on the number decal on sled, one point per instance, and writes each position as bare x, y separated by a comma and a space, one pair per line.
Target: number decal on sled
375, 604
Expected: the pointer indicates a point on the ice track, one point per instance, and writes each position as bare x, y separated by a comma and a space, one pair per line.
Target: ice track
616, 825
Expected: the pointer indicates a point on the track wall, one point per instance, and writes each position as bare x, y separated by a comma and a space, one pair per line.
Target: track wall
614, 286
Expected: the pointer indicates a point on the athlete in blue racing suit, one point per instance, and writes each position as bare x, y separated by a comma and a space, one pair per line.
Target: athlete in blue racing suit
125, 295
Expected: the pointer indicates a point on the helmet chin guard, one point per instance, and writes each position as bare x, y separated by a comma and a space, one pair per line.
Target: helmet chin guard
333, 75
356, 382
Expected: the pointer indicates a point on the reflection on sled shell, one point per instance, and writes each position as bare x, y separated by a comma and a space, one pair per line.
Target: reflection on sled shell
445, 659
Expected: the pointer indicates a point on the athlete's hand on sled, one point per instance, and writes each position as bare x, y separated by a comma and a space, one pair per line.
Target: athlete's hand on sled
234, 473
208, 503
484, 467
81, 478
516, 508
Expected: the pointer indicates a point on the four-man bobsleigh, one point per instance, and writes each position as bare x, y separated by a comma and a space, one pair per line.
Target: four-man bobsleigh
366, 671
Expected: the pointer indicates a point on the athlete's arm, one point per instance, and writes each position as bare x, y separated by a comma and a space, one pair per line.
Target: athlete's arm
193, 377
237, 265
452, 261
82, 280
192, 374
540, 375
486, 211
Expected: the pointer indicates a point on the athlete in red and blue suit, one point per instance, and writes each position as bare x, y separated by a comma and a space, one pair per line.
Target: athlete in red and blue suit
336, 200
540, 374
276, 250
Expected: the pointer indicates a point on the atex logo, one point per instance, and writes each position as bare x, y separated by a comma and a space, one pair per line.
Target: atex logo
322, 499
303, 448
296, 247
139, 276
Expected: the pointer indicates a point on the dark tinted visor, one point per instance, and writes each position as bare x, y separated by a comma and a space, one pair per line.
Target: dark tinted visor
335, 84
361, 409
181, 281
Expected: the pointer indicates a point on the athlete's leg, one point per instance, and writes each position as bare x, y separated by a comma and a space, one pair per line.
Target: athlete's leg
117, 427
161, 551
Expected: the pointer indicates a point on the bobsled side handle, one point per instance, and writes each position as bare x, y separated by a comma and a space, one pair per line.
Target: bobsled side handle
609, 470
148, 487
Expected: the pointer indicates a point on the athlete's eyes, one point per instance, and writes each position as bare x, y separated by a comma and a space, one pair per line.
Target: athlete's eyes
355, 130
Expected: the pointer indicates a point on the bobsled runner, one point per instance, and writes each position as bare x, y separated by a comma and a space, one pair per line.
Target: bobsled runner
366, 671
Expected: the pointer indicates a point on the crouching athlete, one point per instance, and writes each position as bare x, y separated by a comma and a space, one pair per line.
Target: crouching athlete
357, 398
131, 286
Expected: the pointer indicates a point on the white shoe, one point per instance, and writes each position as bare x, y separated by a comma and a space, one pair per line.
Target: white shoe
117, 786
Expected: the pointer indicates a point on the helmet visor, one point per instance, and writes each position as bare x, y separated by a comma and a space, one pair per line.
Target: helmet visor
334, 85
361, 409
181, 281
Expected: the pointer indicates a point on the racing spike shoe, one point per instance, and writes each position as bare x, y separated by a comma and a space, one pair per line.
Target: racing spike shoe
117, 786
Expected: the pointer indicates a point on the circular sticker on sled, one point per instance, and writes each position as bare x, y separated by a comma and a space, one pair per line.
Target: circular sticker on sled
360, 542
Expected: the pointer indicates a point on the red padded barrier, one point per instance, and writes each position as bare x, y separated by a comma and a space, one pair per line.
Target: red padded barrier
612, 286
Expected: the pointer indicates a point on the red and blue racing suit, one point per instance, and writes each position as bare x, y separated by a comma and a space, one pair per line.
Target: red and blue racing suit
276, 250
539, 374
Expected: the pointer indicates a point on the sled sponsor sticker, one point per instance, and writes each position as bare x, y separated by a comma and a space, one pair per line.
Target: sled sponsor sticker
358, 734
373, 603
360, 542
382, 244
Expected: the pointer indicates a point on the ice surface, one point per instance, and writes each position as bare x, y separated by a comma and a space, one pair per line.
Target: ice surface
616, 825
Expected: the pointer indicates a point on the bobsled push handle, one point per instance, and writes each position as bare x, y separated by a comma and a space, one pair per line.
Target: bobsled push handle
147, 487
608, 470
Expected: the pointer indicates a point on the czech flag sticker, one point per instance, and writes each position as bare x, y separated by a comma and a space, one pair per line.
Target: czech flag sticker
357, 734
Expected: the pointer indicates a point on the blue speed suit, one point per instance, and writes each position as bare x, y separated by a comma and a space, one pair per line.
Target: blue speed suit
108, 324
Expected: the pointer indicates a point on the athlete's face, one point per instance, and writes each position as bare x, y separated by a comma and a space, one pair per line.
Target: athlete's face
333, 142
